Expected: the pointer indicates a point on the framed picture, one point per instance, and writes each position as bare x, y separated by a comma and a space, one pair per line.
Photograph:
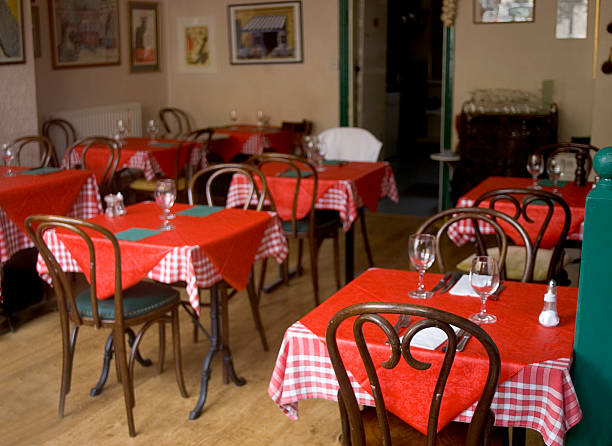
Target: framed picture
196, 38
84, 34
11, 32
144, 36
262, 33
503, 11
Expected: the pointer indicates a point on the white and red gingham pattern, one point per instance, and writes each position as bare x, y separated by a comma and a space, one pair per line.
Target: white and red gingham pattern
540, 396
462, 231
341, 197
255, 144
188, 264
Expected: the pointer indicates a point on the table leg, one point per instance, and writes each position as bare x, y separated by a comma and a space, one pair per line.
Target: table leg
218, 332
349, 255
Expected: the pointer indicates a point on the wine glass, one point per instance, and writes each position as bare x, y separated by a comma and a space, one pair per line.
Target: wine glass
122, 132
312, 147
554, 169
233, 115
260, 118
535, 166
152, 129
484, 278
8, 155
165, 194
422, 252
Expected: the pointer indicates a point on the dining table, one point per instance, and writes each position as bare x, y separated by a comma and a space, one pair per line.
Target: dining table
250, 139
343, 186
535, 389
575, 197
154, 157
45, 190
209, 247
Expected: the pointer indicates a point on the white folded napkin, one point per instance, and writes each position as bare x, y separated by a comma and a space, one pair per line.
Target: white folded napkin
463, 287
430, 338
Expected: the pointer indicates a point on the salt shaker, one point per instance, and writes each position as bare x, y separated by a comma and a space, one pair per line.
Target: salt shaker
548, 316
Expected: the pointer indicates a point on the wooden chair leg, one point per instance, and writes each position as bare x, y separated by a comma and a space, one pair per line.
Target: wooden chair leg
262, 276
178, 364
313, 243
68, 344
364, 232
254, 301
298, 268
162, 347
121, 360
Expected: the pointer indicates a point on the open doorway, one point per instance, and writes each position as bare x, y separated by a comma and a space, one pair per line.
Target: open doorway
410, 73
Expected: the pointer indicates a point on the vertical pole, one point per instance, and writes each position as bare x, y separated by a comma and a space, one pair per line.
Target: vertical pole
592, 367
448, 57
343, 27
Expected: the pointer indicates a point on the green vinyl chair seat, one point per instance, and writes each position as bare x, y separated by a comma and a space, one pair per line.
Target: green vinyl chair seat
138, 300
323, 219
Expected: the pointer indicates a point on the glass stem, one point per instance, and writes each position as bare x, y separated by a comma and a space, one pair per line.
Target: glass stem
421, 286
535, 179
483, 307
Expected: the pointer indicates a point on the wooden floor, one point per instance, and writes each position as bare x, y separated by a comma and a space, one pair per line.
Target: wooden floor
31, 366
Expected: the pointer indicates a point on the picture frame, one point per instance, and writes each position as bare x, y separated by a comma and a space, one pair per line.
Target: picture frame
84, 34
265, 33
196, 40
504, 11
144, 36
11, 36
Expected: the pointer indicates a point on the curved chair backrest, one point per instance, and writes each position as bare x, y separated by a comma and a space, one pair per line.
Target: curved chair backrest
212, 174
582, 152
294, 165
59, 126
524, 199
372, 313
62, 285
107, 178
201, 136
349, 144
487, 216
46, 151
175, 121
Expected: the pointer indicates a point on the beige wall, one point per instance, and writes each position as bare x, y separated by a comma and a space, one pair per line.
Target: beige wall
520, 56
285, 92
602, 103
18, 92
76, 88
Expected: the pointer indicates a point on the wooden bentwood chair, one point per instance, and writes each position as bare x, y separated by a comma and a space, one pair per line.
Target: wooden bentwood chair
63, 128
375, 425
145, 303
316, 226
45, 150
175, 121
441, 222
200, 190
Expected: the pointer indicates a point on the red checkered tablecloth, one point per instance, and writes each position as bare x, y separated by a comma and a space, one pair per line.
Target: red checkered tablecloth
540, 396
183, 263
342, 196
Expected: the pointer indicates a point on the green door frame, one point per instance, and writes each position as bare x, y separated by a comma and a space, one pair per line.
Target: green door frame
447, 88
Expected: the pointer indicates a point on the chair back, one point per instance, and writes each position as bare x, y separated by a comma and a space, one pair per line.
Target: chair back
349, 144
476, 215
582, 153
106, 180
298, 130
62, 285
296, 166
201, 136
526, 203
59, 127
203, 182
352, 425
45, 150
175, 121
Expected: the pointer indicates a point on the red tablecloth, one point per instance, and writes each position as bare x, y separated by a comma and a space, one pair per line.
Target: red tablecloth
152, 157
535, 389
344, 188
463, 231
200, 251
250, 139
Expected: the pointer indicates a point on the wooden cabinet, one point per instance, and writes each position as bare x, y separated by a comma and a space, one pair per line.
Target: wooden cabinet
497, 144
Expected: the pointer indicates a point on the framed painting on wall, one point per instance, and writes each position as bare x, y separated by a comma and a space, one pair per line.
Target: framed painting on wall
504, 11
11, 32
196, 39
264, 33
84, 34
144, 36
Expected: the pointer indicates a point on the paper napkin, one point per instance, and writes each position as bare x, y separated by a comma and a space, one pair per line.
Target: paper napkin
549, 183
430, 338
200, 211
40, 171
166, 145
293, 173
335, 162
135, 234
463, 287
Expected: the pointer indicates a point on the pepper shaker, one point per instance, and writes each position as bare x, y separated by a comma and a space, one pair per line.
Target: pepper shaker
548, 316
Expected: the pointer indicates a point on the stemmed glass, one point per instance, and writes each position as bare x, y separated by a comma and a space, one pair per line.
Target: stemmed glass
422, 252
233, 115
152, 129
8, 155
312, 147
554, 169
121, 133
535, 167
165, 194
484, 278
260, 118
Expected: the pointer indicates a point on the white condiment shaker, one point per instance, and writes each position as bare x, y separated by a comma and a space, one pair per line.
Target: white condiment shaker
548, 316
